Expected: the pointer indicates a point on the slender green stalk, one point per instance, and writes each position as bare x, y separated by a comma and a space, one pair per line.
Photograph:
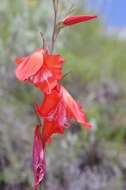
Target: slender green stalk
55, 32
41, 187
37, 116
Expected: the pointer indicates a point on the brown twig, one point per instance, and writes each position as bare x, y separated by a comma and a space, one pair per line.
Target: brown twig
43, 40
66, 74
45, 44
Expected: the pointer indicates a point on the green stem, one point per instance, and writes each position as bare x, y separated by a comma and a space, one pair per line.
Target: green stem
37, 116
55, 32
41, 187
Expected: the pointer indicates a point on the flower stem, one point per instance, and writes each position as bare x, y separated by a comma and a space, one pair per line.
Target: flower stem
37, 116
41, 187
55, 32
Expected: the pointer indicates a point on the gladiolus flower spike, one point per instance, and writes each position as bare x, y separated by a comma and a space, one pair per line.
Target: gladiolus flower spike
43, 69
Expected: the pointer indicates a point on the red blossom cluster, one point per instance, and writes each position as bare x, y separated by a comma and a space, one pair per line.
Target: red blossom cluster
44, 70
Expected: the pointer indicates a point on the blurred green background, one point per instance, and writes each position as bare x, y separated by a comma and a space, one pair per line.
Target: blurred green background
81, 159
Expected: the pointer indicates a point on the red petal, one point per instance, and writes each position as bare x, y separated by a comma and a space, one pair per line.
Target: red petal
54, 64
74, 109
77, 19
49, 103
20, 60
49, 129
30, 65
50, 140
47, 85
39, 164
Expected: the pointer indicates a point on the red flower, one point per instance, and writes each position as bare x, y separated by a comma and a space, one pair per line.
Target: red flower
71, 20
39, 164
59, 108
41, 69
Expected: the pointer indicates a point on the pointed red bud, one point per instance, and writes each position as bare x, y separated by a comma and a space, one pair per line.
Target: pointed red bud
71, 20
